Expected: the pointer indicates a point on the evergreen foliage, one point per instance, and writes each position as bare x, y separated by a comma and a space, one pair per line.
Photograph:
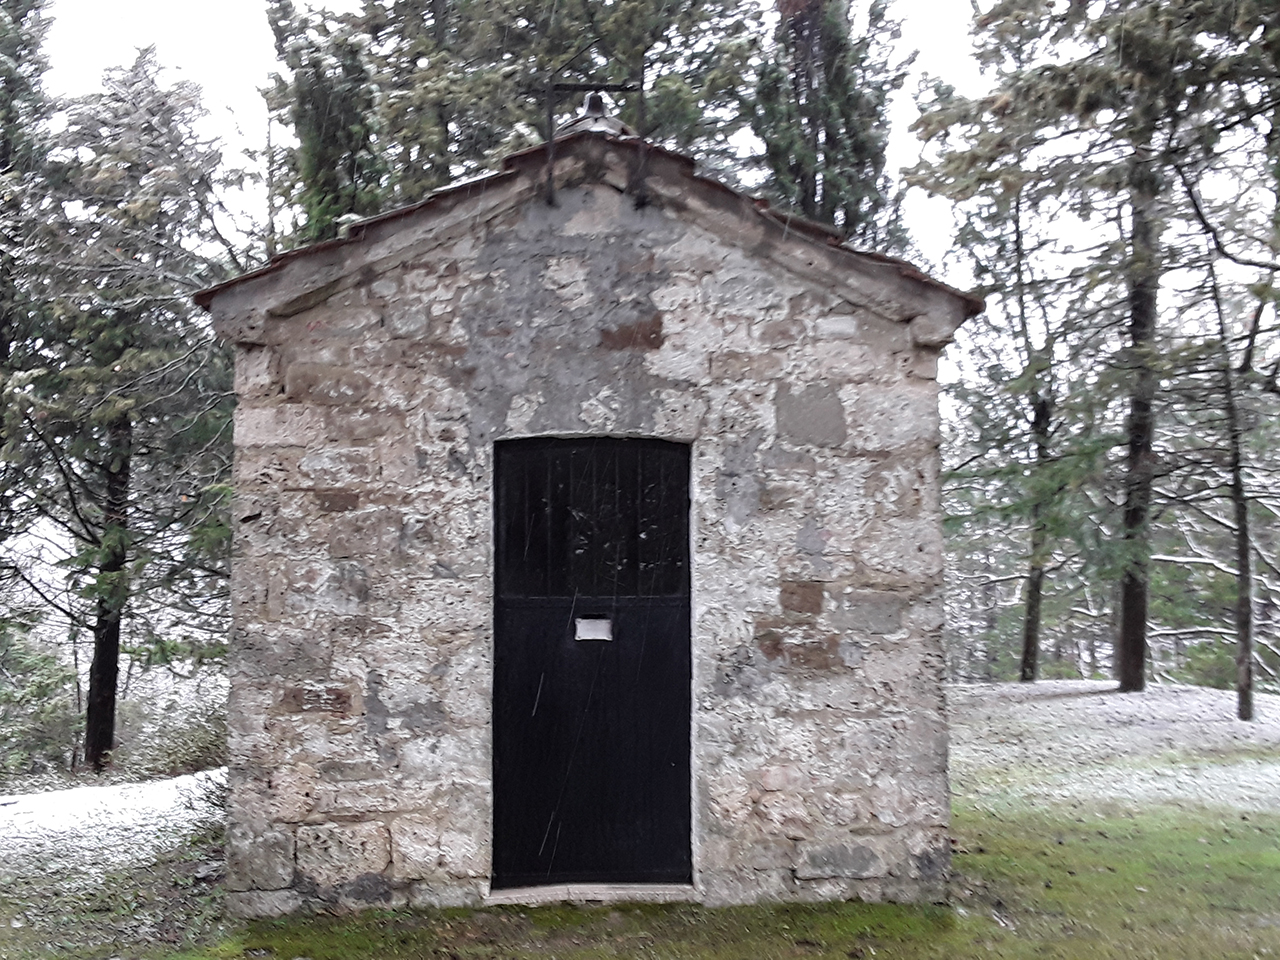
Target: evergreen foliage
22, 107
118, 431
820, 109
329, 105
39, 720
406, 95
1103, 121
1113, 464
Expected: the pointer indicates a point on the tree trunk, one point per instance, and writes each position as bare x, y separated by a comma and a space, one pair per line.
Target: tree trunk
642, 103
440, 23
1039, 540
113, 591
803, 28
1143, 281
1240, 509
1244, 572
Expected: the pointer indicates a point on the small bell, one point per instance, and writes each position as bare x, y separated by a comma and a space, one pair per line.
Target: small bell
595, 119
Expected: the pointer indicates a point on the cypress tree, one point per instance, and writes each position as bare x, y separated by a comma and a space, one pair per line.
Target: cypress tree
404, 96
820, 108
121, 433
328, 102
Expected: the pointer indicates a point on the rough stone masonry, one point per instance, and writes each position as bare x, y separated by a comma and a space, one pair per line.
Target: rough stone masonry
375, 373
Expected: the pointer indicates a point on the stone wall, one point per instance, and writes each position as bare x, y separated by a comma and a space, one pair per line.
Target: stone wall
362, 586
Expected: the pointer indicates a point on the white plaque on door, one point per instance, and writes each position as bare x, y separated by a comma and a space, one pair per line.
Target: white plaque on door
592, 628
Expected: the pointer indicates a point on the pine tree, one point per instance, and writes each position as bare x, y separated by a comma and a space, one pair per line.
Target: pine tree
1000, 235
22, 106
122, 431
1108, 110
1242, 237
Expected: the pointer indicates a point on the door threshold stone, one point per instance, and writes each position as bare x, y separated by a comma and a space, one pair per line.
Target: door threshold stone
594, 893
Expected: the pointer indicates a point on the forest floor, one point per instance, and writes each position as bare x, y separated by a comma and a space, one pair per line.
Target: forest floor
1086, 823
1072, 742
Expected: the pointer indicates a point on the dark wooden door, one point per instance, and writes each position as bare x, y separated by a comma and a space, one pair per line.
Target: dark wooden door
591, 662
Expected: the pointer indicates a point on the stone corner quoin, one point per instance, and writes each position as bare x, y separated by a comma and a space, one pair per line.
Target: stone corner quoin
374, 376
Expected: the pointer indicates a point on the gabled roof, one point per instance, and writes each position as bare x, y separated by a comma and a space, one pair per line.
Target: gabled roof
295, 280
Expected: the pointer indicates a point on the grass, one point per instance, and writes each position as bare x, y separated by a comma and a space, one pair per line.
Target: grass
1165, 883
1065, 883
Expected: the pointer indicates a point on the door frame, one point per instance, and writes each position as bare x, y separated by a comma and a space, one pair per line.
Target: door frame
655, 891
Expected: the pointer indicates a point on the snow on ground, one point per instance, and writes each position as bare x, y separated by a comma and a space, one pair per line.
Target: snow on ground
1051, 742
1080, 741
91, 831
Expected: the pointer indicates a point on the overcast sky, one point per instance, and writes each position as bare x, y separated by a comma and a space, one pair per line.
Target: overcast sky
225, 46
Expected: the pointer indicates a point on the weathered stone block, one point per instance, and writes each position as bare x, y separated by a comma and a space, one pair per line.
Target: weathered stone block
901, 488
921, 363
291, 790
870, 612
263, 904
842, 361
415, 847
280, 650
801, 597
463, 854
926, 615
443, 894
342, 770
258, 861
332, 853
259, 470
357, 798
935, 329
370, 890
338, 588
312, 698
907, 552
279, 425
349, 425
410, 319
812, 415
336, 501
338, 467
257, 372
365, 533
857, 325
859, 859
737, 366
317, 383
893, 417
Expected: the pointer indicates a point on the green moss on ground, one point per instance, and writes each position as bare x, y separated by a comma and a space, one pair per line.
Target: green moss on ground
1058, 882
1165, 884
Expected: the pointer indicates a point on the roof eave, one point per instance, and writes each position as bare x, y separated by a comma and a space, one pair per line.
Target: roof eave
532, 161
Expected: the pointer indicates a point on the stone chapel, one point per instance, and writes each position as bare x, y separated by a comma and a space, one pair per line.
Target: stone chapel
587, 546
